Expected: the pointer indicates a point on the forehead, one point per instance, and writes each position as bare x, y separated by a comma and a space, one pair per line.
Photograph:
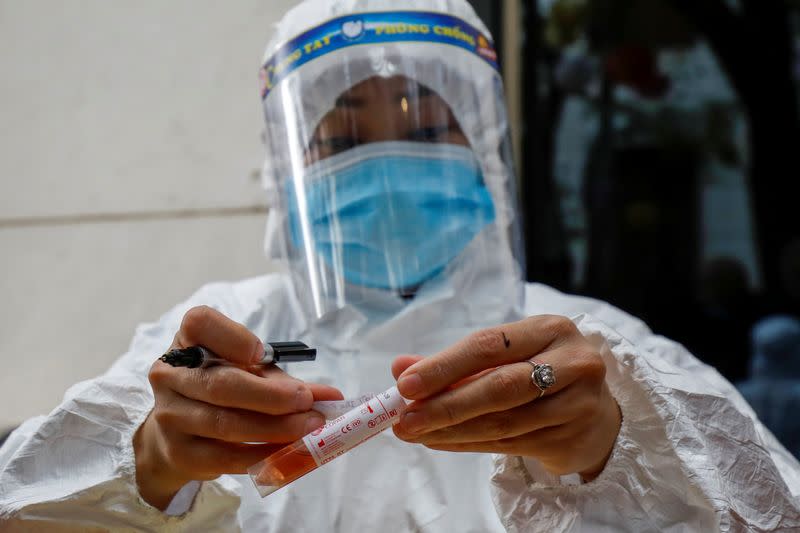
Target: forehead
381, 89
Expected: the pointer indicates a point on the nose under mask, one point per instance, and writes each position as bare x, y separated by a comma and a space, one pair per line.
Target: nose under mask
391, 215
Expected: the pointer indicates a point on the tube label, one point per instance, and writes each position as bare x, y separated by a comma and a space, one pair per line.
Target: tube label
354, 427
334, 408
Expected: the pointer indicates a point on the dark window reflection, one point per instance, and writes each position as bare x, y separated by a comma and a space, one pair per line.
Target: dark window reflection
662, 143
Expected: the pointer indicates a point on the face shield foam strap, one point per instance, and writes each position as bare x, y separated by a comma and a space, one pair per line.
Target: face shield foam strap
374, 28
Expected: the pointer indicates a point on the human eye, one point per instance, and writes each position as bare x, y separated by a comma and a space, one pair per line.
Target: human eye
429, 134
333, 145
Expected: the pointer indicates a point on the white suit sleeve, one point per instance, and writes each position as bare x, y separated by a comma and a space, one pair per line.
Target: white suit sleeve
690, 455
76, 465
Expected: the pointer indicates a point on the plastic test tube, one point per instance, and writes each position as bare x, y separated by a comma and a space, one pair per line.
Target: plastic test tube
327, 443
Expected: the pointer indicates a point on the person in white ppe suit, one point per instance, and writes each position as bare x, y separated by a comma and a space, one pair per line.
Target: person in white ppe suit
393, 219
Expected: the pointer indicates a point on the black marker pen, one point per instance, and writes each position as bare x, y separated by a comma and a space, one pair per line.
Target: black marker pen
274, 352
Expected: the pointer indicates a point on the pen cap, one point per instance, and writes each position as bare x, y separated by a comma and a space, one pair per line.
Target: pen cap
292, 351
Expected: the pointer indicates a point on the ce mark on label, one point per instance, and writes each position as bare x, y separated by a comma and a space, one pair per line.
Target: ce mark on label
351, 426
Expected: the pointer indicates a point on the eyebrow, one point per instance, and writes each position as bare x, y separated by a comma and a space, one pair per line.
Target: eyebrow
415, 92
349, 101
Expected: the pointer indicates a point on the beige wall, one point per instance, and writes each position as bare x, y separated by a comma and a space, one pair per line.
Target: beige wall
119, 109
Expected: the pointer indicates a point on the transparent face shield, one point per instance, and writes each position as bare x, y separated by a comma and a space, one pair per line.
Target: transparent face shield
387, 163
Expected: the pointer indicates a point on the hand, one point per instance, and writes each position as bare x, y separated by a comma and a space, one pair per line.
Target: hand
477, 396
204, 418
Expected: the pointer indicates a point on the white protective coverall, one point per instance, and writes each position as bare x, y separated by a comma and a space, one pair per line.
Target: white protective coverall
690, 455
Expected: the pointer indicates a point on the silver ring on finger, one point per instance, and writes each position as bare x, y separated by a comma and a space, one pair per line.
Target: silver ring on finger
543, 376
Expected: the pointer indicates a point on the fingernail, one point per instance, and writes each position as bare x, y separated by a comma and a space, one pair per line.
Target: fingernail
258, 354
413, 422
313, 423
304, 399
409, 385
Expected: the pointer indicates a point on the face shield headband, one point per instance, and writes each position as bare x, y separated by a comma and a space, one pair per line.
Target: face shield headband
374, 28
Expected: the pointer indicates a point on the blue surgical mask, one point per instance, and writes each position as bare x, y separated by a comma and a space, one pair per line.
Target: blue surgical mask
392, 215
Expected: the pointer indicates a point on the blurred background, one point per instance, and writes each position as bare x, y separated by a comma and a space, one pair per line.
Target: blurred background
656, 141
129, 175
